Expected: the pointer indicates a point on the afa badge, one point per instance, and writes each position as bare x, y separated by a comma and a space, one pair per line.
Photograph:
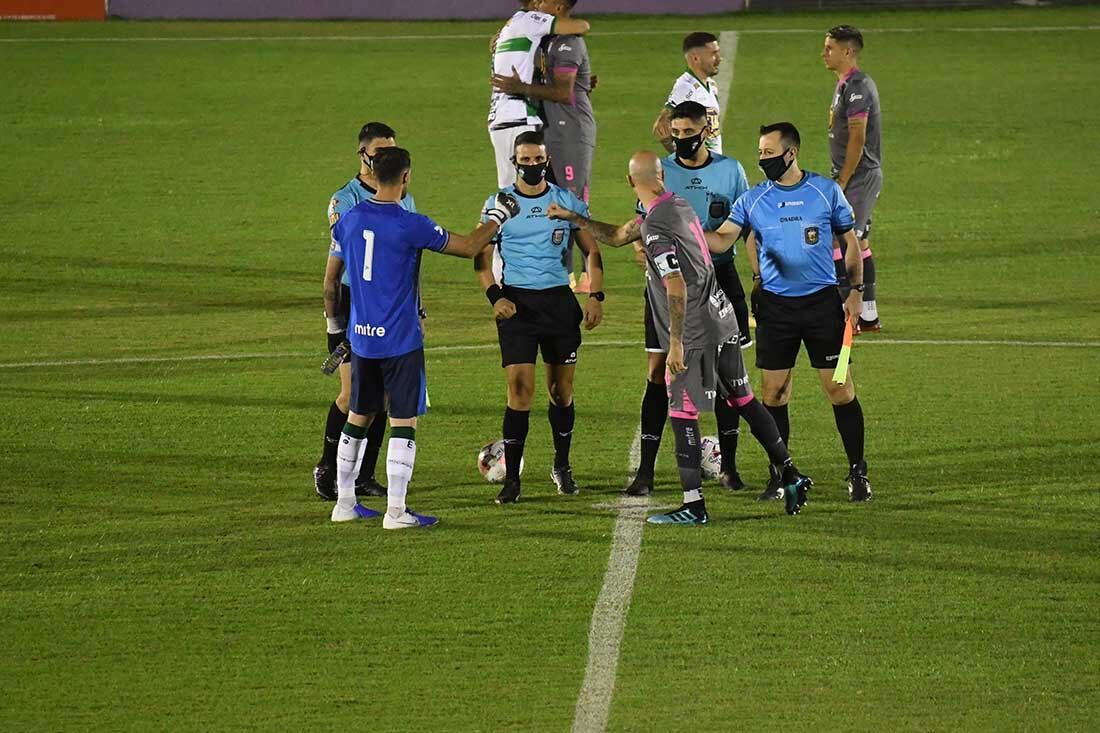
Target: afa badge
558, 236
811, 235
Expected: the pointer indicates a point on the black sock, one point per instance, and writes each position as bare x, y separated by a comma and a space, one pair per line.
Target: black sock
515, 434
561, 423
868, 278
765, 430
689, 457
375, 433
333, 425
654, 416
729, 428
849, 422
782, 422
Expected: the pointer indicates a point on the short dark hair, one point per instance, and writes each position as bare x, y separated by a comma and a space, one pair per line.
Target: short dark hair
788, 133
531, 137
698, 40
689, 110
373, 131
846, 34
390, 164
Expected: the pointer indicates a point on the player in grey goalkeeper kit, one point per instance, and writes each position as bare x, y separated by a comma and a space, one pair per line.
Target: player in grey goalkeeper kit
696, 325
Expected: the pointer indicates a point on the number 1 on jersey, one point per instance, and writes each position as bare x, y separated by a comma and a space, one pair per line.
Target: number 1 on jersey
368, 254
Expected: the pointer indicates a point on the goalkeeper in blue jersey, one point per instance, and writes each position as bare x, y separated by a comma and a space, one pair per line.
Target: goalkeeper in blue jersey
373, 136
536, 311
379, 244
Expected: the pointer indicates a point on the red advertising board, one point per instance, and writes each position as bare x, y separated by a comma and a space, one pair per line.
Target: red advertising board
53, 9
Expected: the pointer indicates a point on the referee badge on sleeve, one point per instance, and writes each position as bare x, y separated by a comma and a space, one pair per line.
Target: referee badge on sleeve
811, 235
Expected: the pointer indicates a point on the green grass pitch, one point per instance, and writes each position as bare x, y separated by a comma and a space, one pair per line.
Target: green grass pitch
166, 566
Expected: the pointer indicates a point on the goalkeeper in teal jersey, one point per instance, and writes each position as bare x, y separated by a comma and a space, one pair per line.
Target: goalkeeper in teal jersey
373, 136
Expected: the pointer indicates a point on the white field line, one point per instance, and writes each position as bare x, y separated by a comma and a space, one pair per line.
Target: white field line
727, 41
613, 343
605, 635
483, 36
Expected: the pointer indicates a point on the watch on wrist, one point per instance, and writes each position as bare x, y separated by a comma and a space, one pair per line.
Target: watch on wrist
859, 288
598, 295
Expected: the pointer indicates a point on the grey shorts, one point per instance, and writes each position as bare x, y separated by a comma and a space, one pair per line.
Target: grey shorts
712, 374
862, 193
572, 164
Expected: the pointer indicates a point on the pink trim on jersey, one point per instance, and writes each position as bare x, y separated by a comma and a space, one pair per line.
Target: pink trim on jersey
858, 114
659, 200
741, 401
584, 194
639, 220
683, 415
837, 255
865, 253
701, 239
846, 77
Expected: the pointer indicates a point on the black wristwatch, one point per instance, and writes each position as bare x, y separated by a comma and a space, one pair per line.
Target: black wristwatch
859, 288
598, 295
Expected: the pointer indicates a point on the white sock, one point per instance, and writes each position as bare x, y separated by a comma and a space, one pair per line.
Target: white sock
348, 458
870, 310
693, 495
399, 470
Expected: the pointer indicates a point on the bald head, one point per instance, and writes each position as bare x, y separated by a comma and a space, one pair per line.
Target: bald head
645, 172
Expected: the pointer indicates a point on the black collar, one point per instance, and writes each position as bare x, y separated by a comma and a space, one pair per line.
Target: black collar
531, 195
710, 159
365, 185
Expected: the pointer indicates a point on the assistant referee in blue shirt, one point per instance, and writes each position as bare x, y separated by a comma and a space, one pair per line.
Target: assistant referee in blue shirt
790, 221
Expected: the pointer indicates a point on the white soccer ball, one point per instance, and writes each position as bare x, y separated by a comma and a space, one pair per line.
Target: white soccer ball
490, 461
712, 457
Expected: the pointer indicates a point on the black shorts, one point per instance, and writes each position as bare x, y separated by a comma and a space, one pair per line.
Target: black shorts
652, 343
547, 320
784, 323
401, 377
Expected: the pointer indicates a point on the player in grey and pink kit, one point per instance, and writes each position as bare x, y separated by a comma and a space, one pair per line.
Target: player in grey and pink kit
696, 325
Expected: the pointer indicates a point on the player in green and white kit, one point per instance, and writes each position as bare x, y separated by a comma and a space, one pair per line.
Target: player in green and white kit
510, 113
703, 58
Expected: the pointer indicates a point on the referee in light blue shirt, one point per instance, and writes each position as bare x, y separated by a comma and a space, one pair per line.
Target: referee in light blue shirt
790, 221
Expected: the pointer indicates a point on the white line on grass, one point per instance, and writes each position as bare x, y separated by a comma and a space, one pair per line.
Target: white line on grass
483, 36
605, 635
613, 343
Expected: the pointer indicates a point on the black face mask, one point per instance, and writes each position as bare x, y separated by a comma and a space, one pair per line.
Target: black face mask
775, 167
533, 174
368, 159
687, 147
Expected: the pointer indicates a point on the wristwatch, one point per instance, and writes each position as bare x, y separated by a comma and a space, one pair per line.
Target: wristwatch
598, 295
859, 288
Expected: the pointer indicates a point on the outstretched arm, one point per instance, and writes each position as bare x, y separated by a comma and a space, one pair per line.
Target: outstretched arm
504, 207
609, 234
724, 237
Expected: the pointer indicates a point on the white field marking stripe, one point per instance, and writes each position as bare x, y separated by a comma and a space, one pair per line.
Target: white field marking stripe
863, 341
480, 36
727, 41
605, 635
